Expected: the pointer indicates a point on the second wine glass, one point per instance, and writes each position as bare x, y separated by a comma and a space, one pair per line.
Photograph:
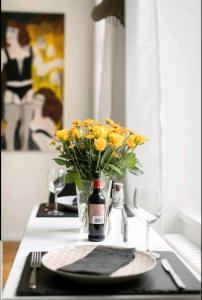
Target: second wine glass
56, 183
148, 206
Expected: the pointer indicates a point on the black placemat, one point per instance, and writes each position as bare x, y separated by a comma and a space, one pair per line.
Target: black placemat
154, 282
42, 211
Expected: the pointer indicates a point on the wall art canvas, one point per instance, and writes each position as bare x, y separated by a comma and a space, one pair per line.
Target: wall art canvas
32, 65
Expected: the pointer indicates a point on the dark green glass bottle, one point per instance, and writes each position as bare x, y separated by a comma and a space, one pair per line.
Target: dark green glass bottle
96, 211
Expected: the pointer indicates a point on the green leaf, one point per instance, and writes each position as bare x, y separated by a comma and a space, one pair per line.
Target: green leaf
120, 177
105, 156
136, 171
62, 162
130, 160
74, 177
116, 169
63, 156
78, 181
59, 161
70, 176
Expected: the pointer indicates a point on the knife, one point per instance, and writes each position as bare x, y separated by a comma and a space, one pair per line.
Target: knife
166, 265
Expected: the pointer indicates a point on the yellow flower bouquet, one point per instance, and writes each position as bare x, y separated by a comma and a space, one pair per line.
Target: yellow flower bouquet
89, 146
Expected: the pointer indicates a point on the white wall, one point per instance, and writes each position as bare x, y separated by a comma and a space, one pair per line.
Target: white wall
24, 174
24, 184
174, 128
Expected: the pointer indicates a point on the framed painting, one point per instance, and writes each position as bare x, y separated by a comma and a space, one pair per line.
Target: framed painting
32, 59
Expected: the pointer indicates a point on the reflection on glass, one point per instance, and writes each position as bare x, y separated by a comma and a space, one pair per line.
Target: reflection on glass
56, 183
148, 206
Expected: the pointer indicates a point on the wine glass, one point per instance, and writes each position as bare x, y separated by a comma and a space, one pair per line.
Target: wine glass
56, 183
148, 206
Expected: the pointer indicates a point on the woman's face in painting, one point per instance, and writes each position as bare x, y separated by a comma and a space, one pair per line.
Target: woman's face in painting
39, 100
11, 34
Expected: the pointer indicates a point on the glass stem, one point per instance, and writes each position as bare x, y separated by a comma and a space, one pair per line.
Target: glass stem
147, 237
56, 202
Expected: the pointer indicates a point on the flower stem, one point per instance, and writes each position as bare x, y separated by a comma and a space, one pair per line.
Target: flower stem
90, 153
74, 162
79, 169
98, 161
84, 158
109, 159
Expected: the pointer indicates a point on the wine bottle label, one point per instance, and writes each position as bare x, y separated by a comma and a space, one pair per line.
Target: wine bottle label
97, 213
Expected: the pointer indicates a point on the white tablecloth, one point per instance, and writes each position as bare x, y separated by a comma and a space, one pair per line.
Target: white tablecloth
45, 234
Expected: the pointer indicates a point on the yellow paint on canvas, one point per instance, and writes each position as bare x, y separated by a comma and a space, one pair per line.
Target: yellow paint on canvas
45, 31
3, 127
53, 36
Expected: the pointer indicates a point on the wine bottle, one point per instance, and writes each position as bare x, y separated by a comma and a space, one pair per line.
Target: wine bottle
96, 212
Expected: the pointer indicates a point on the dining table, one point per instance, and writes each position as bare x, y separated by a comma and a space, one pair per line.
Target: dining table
46, 234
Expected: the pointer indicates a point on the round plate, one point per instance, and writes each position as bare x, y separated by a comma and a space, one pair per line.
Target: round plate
56, 259
67, 201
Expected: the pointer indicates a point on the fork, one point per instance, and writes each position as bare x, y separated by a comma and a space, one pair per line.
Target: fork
35, 263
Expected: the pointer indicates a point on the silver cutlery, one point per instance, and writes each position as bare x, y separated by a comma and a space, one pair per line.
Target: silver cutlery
35, 263
166, 265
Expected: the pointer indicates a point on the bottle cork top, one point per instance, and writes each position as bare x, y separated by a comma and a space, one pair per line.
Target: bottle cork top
118, 186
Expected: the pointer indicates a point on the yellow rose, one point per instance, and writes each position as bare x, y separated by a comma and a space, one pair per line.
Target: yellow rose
109, 121
122, 130
140, 139
115, 125
88, 122
53, 142
131, 131
89, 136
100, 131
116, 140
76, 123
62, 134
111, 130
100, 144
130, 141
75, 133
82, 146
115, 154
71, 146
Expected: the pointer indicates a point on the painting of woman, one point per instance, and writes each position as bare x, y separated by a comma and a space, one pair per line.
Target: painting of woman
18, 57
47, 114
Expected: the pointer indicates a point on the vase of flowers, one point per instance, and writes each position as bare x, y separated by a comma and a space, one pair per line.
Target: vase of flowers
88, 147
83, 193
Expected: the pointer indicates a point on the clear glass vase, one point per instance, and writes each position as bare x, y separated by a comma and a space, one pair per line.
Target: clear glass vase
83, 194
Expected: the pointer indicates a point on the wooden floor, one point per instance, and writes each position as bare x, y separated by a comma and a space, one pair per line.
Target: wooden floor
9, 252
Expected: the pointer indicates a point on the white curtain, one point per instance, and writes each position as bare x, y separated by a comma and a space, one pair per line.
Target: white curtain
143, 89
163, 101
161, 82
109, 70
127, 86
